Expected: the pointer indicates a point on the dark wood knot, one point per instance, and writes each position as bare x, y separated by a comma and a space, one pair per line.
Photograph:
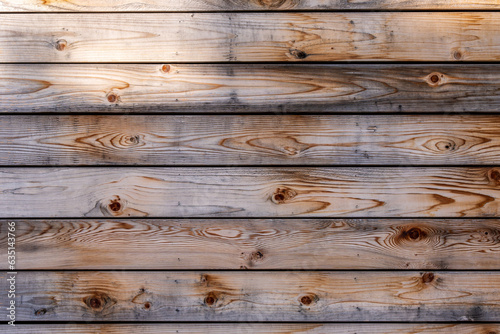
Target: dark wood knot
115, 205
211, 299
299, 54
457, 55
427, 277
61, 45
494, 176
112, 98
281, 195
307, 300
147, 305
40, 312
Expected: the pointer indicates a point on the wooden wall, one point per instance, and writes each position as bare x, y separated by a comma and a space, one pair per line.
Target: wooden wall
251, 166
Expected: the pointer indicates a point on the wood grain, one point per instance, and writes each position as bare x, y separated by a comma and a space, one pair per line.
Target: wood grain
250, 192
249, 328
243, 88
257, 296
256, 37
254, 244
235, 5
249, 140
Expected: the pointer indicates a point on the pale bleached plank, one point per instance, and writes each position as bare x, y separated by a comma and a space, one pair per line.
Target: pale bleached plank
254, 244
257, 328
221, 37
257, 296
233, 88
235, 5
249, 140
250, 192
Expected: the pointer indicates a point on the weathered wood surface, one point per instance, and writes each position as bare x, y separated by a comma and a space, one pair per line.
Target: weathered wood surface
250, 328
235, 5
250, 140
222, 37
257, 296
255, 244
246, 88
250, 192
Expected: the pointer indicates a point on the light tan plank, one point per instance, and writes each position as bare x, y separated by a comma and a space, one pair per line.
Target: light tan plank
249, 140
221, 37
246, 88
254, 244
257, 296
248, 328
220, 5
250, 192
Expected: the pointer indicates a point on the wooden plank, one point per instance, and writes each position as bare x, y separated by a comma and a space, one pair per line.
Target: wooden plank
222, 37
249, 88
235, 5
249, 140
247, 328
250, 192
257, 296
254, 244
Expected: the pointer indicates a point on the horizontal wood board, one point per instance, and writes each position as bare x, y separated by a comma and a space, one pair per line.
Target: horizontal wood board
254, 37
234, 140
176, 244
249, 88
258, 296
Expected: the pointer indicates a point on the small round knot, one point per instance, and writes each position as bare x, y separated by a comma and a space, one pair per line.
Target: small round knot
165, 68
95, 302
61, 45
414, 233
256, 256
299, 54
427, 277
115, 206
494, 176
436, 79
147, 305
40, 312
457, 55
112, 98
307, 300
281, 195
210, 299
